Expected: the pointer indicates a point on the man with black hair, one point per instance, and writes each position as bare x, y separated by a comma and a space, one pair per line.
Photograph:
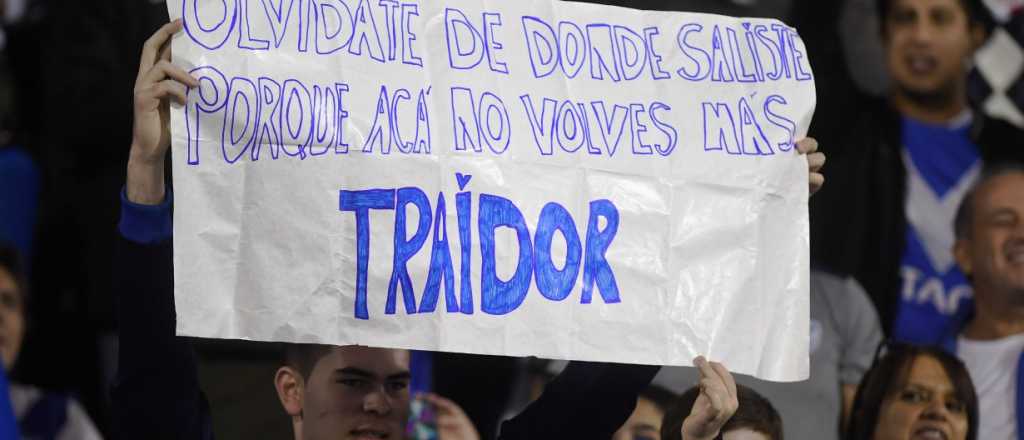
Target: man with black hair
901, 165
645, 421
989, 249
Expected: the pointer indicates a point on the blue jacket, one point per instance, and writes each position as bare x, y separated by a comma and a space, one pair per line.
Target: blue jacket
949, 343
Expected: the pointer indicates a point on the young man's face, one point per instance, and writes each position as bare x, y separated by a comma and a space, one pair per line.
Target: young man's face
643, 424
12, 319
927, 44
357, 393
994, 252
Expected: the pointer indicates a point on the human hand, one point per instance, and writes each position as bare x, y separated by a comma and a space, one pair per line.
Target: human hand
452, 421
714, 406
815, 160
157, 83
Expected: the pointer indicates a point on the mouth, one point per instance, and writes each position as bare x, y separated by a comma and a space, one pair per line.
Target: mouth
1015, 253
930, 433
921, 64
369, 434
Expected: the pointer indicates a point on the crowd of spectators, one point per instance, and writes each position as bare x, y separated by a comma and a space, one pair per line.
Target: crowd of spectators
917, 246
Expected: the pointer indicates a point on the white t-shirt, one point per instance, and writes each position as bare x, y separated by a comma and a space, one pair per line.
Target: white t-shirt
993, 369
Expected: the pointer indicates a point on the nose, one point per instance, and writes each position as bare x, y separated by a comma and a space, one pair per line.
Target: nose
936, 410
377, 402
1018, 231
923, 31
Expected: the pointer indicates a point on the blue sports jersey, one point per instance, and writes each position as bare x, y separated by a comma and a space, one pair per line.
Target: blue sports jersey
942, 163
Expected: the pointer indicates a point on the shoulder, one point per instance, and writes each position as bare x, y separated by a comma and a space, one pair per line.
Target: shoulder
842, 295
79, 425
836, 286
59, 414
23, 397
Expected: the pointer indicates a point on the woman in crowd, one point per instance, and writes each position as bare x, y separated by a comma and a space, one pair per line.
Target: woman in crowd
914, 392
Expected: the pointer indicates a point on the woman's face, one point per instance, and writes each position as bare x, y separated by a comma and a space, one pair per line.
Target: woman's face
12, 319
924, 408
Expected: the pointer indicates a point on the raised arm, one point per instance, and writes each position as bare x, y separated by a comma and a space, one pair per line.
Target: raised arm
157, 393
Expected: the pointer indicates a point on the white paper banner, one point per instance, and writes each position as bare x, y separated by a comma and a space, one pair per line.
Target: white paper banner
535, 177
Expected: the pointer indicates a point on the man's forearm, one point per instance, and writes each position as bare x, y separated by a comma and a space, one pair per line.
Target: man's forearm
145, 180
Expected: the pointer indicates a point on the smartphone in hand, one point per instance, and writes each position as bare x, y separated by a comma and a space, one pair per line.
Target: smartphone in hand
422, 423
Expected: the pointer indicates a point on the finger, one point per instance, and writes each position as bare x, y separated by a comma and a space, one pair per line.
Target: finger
726, 377
807, 145
151, 48
704, 367
164, 69
815, 182
712, 389
442, 404
165, 53
815, 161
148, 97
168, 89
448, 421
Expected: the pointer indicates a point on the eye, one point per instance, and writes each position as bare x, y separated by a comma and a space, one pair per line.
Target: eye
902, 16
354, 383
1004, 220
956, 406
913, 396
397, 386
8, 299
942, 16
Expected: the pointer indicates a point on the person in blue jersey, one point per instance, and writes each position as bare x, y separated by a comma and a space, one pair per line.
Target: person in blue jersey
990, 250
901, 166
40, 414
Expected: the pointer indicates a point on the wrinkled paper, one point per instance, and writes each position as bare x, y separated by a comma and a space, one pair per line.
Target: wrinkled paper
538, 177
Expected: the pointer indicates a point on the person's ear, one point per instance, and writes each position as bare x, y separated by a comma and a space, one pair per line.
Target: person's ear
289, 384
962, 253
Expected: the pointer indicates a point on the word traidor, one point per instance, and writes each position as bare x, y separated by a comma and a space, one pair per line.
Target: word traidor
497, 296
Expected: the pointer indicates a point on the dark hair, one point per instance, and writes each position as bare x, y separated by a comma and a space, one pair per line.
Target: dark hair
964, 220
889, 372
303, 357
977, 12
661, 397
754, 413
11, 260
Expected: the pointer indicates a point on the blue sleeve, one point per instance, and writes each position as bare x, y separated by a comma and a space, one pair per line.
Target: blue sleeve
157, 393
145, 224
8, 424
19, 199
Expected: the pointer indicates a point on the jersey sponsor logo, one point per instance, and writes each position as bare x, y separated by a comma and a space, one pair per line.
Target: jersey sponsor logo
921, 289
